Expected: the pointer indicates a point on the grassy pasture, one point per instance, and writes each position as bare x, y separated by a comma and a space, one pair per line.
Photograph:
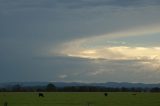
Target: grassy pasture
80, 99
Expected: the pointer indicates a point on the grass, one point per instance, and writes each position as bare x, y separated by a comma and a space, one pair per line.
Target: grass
80, 99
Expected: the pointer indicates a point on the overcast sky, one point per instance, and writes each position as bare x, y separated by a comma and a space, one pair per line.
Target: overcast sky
80, 40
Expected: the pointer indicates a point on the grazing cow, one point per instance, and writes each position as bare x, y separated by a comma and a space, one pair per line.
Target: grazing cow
41, 95
134, 94
5, 103
105, 94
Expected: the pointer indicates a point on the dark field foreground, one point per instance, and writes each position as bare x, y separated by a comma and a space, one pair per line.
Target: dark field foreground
80, 99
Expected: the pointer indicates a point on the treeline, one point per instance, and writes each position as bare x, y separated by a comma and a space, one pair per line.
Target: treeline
52, 88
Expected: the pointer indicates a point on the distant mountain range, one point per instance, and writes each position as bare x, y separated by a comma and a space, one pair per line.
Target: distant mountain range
63, 84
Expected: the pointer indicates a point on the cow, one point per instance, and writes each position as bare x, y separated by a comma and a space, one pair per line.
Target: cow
105, 94
5, 103
134, 94
41, 95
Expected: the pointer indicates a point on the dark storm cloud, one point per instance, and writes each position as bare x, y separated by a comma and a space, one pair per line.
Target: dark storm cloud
73, 4
29, 29
99, 3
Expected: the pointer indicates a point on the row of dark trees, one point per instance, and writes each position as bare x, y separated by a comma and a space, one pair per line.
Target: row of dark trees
52, 88
18, 88
107, 89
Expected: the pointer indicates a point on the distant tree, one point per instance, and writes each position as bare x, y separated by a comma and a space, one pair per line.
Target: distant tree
3, 90
50, 87
124, 89
155, 89
17, 88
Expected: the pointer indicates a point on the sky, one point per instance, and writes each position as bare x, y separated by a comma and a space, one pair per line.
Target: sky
80, 40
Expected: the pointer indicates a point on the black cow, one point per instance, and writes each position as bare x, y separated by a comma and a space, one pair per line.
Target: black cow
134, 94
105, 94
41, 95
5, 103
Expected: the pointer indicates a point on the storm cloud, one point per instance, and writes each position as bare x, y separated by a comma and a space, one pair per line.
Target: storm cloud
34, 33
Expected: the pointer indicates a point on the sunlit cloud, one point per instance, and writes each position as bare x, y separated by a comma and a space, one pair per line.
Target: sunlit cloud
119, 53
104, 46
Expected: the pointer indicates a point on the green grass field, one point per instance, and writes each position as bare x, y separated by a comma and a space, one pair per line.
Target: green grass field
80, 99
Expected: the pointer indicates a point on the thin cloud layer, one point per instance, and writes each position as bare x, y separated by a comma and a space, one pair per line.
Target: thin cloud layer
99, 46
75, 4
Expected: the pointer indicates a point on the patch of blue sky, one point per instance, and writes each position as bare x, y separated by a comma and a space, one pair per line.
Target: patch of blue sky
147, 40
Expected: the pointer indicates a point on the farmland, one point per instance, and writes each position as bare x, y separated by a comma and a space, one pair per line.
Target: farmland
80, 99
